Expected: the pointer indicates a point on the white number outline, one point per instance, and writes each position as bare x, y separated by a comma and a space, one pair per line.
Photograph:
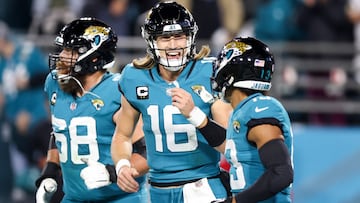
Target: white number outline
171, 129
76, 139
237, 180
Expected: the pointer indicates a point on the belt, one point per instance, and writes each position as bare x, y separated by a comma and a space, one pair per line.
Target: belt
178, 183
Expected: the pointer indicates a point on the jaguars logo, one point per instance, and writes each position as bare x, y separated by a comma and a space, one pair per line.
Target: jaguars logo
97, 34
203, 93
97, 103
241, 46
236, 126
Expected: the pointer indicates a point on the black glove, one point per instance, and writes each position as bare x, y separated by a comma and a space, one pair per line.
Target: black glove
51, 170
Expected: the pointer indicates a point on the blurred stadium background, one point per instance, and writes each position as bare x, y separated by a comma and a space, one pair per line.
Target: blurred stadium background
318, 82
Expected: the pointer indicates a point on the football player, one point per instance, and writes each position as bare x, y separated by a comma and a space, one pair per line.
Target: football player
84, 101
259, 139
184, 167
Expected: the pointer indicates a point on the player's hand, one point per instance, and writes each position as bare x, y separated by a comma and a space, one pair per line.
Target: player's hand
95, 175
126, 180
182, 100
46, 190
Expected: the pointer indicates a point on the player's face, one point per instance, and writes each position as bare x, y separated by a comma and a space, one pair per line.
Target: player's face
64, 67
68, 58
172, 47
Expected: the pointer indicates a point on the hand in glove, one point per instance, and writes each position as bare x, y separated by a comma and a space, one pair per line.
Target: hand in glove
47, 188
95, 175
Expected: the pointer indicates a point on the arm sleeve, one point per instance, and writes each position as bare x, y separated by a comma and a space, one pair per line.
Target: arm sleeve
278, 174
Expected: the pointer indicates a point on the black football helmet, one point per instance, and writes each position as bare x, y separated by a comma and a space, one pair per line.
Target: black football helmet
169, 18
245, 63
94, 41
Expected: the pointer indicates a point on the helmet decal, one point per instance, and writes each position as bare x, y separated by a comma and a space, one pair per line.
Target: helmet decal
229, 54
259, 63
233, 49
97, 40
95, 30
171, 28
241, 46
97, 33
244, 63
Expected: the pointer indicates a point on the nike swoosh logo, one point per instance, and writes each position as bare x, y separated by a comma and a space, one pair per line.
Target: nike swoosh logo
257, 109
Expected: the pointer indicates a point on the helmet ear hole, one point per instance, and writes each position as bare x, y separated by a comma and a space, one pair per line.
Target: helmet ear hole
77, 68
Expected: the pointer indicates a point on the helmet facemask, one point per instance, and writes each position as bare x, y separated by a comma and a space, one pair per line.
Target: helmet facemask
164, 56
221, 87
62, 70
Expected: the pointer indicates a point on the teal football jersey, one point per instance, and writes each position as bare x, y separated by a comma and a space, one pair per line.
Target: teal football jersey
83, 128
176, 149
243, 156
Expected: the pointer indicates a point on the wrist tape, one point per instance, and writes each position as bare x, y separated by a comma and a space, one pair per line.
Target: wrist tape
196, 117
121, 163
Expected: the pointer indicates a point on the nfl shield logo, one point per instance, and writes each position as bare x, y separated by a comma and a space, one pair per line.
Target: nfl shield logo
73, 106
